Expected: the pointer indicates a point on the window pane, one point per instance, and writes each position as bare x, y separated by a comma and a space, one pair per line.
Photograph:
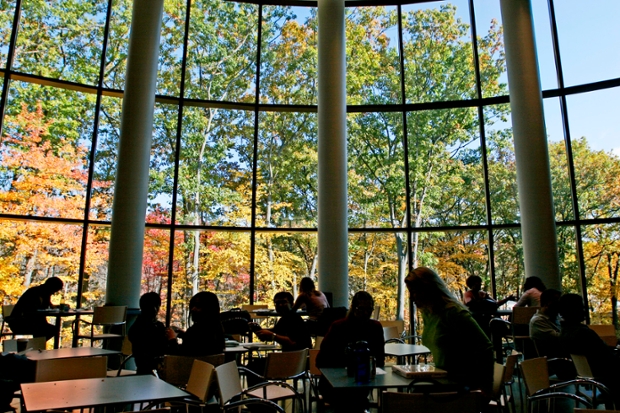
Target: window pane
601, 244
96, 271
155, 265
493, 76
118, 43
171, 48
447, 185
502, 168
544, 45
287, 169
558, 161
289, 56
221, 58
215, 167
43, 166
106, 156
587, 31
509, 264
376, 181
161, 172
210, 261
7, 13
378, 263
439, 63
61, 39
594, 142
373, 63
567, 254
282, 260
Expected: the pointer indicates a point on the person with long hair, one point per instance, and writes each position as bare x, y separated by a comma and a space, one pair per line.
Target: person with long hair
313, 300
454, 338
206, 335
532, 289
344, 333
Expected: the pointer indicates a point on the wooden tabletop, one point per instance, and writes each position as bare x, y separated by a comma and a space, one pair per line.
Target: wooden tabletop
73, 394
68, 352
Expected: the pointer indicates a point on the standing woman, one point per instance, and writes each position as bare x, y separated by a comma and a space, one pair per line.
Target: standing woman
206, 335
532, 288
312, 299
456, 341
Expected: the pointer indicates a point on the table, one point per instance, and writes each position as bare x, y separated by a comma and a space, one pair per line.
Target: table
74, 394
338, 378
55, 312
400, 351
68, 352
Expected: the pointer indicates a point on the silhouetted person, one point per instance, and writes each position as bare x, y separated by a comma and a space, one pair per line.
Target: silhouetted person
483, 307
206, 336
532, 289
150, 339
24, 318
313, 300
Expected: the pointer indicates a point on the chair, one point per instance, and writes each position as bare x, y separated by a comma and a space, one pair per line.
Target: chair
391, 335
521, 317
13, 345
176, 370
537, 385
585, 372
432, 402
607, 332
376, 312
7, 309
126, 355
252, 310
236, 322
290, 365
105, 318
232, 395
198, 385
501, 337
512, 361
399, 324
314, 375
71, 368
497, 397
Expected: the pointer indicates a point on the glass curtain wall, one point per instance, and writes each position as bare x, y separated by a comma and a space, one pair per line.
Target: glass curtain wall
232, 202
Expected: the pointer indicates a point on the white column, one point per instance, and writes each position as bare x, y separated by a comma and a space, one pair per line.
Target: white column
132, 176
332, 118
530, 142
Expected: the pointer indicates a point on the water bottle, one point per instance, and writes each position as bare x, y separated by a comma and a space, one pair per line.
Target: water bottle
363, 361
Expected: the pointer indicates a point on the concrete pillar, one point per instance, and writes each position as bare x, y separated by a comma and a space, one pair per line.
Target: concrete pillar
332, 117
530, 142
132, 176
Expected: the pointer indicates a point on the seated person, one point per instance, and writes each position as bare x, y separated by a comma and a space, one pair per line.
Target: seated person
357, 326
454, 338
578, 338
545, 333
289, 332
24, 318
150, 339
533, 288
482, 306
311, 299
205, 337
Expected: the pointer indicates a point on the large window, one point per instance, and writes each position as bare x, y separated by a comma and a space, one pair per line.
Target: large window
232, 204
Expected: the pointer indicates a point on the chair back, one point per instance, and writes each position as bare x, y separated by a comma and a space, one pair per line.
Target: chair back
390, 333
607, 332
126, 347
312, 368
432, 402
317, 342
110, 315
7, 309
71, 368
286, 364
235, 321
499, 372
199, 380
17, 345
535, 374
582, 366
523, 315
251, 308
376, 312
399, 324
176, 370
511, 361
228, 381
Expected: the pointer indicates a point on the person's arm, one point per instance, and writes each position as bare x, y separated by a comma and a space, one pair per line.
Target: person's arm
524, 300
505, 300
299, 302
468, 296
